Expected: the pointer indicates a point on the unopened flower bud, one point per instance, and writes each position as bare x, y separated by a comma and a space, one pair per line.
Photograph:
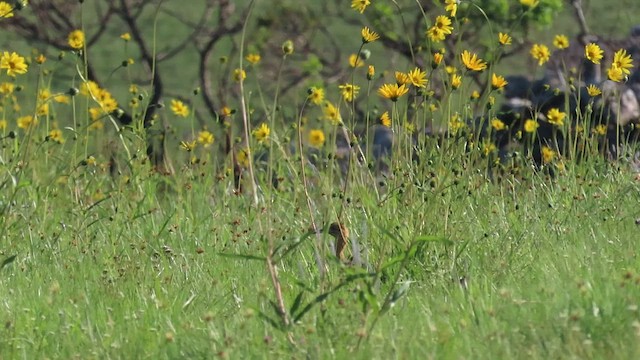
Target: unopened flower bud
287, 47
371, 72
20, 4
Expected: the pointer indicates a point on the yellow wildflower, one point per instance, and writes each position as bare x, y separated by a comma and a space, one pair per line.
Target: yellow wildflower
89, 88
76, 39
316, 138
179, 108
61, 98
615, 73
205, 138
6, 10
623, 61
418, 77
95, 113
56, 135
440, 29
40, 59
371, 72
555, 117
392, 91
25, 122
355, 61
561, 41
409, 127
402, 78
188, 145
13, 63
253, 59
262, 133
349, 91
42, 109
497, 124
239, 75
600, 129
7, 88
242, 157
593, 90
456, 81
331, 113
455, 123
368, 35
360, 5
316, 95
437, 59
385, 119
451, 7
504, 39
472, 62
226, 111
541, 53
498, 82
488, 148
593, 52
531, 126
547, 154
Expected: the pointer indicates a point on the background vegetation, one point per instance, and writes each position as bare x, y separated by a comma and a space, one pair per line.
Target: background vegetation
121, 240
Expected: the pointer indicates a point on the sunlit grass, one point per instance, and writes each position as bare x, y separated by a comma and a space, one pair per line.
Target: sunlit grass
231, 248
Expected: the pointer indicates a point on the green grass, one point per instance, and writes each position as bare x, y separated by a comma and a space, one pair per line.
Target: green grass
550, 268
445, 261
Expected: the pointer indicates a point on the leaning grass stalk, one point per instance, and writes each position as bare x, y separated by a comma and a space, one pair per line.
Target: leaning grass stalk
273, 272
314, 225
243, 108
272, 123
109, 116
387, 299
24, 154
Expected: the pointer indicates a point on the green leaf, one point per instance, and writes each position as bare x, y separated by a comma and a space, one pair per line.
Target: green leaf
394, 260
296, 304
400, 292
243, 256
276, 324
434, 238
371, 299
7, 261
320, 298
292, 247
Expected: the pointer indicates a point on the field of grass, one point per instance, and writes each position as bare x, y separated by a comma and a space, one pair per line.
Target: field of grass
449, 255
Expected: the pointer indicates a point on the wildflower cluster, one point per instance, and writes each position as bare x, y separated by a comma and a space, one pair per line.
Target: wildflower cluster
437, 71
440, 29
620, 66
106, 103
13, 63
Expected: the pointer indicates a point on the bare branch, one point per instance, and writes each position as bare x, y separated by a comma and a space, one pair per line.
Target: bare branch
198, 29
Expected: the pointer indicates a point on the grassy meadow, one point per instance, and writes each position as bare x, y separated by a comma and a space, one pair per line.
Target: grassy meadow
228, 248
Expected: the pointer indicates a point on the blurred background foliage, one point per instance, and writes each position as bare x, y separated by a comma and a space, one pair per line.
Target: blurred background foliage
197, 47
